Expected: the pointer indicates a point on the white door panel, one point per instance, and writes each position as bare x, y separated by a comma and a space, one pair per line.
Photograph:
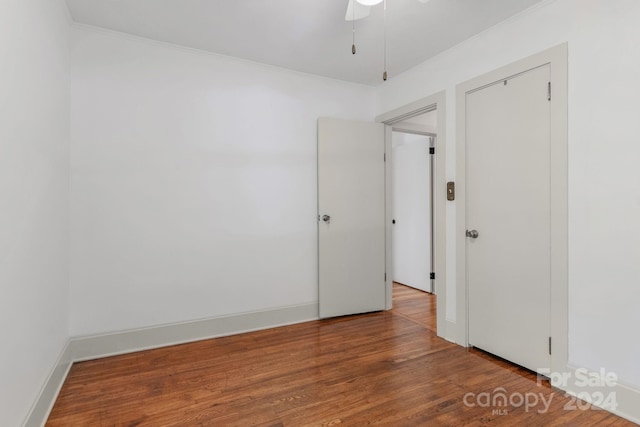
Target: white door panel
351, 247
508, 203
411, 210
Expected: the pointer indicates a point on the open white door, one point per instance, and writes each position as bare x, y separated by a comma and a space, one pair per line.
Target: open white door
411, 210
351, 217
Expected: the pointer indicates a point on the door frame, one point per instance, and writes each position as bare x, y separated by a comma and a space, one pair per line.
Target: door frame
556, 57
430, 103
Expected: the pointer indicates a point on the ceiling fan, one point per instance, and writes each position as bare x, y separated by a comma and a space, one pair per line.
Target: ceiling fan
358, 9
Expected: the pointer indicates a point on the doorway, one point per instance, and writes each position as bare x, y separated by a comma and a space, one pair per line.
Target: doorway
362, 281
408, 118
413, 147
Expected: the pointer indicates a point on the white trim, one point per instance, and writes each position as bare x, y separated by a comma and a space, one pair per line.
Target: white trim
48, 394
388, 216
434, 102
105, 345
626, 397
415, 129
557, 58
451, 331
98, 346
421, 106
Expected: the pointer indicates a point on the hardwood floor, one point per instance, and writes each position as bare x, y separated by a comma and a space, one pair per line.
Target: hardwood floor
414, 305
386, 368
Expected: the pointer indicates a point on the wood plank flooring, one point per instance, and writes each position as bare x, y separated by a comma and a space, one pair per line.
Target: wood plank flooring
386, 369
419, 307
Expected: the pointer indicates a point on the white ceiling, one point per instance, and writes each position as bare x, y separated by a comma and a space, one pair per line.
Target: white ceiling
310, 36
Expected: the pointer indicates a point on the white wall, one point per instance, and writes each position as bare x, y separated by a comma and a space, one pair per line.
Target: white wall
34, 144
604, 190
193, 181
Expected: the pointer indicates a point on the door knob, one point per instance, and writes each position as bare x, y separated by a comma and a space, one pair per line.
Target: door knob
326, 218
473, 234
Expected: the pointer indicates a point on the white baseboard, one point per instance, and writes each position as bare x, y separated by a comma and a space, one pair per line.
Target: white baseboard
94, 347
44, 403
450, 333
624, 401
98, 346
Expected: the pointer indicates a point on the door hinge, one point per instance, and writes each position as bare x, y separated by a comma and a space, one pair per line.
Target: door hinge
432, 276
432, 150
549, 91
549, 345
384, 156
385, 277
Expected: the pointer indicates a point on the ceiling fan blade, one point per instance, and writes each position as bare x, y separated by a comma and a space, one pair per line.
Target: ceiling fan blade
356, 11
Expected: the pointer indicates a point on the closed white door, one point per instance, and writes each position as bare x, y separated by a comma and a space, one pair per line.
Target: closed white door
508, 218
351, 217
411, 177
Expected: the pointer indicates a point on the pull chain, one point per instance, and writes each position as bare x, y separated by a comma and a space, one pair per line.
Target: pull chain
353, 28
384, 36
